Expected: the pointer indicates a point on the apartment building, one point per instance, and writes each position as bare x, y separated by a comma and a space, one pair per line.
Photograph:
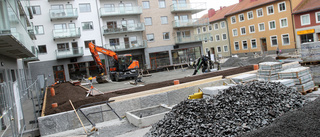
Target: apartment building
307, 22
156, 33
15, 49
261, 26
218, 44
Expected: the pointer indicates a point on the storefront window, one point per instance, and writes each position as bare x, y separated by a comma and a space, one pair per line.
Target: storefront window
84, 69
306, 38
159, 59
185, 55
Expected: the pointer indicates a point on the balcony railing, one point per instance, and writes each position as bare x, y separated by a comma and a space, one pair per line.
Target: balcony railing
66, 33
118, 11
193, 38
31, 32
123, 29
190, 23
69, 53
188, 7
63, 14
126, 45
35, 52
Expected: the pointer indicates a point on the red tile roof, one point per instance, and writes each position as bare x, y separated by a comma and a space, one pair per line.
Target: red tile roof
307, 5
220, 14
247, 4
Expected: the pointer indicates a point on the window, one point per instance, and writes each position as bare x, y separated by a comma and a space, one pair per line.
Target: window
148, 21
285, 39
164, 20
166, 36
63, 47
225, 48
162, 3
204, 29
241, 18
317, 17
224, 36
253, 43
85, 7
244, 45
210, 27
216, 27
87, 25
283, 23
243, 31
274, 41
270, 10
222, 24
114, 42
36, 10
236, 45
219, 49
282, 6
305, 19
233, 20
250, 15
272, 25
199, 30
150, 37
86, 43
306, 38
205, 40
251, 29
145, 4
235, 32
259, 12
39, 30
217, 37
211, 38
261, 27
42, 49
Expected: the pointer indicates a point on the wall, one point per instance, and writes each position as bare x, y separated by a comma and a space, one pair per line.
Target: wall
312, 15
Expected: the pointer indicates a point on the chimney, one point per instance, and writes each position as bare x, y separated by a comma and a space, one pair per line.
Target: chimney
240, 1
221, 7
211, 12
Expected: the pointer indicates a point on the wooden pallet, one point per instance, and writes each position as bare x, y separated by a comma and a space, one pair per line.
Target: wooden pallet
310, 63
309, 91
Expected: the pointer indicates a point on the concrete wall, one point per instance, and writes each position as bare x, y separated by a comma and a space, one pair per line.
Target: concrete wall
68, 120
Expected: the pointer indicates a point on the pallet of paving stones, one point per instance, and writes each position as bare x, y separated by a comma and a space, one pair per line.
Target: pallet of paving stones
294, 72
303, 79
306, 87
244, 78
270, 65
269, 72
267, 78
286, 82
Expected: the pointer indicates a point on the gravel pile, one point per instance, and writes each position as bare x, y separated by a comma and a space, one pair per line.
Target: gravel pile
239, 109
234, 62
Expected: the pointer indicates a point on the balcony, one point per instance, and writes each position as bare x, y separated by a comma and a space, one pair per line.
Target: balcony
15, 41
56, 14
188, 7
35, 58
69, 53
192, 38
190, 23
123, 46
120, 11
66, 33
59, 0
31, 32
129, 28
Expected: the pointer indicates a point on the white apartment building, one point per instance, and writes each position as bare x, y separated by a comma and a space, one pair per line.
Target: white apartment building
156, 33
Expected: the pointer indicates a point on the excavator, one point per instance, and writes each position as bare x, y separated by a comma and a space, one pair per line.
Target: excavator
123, 66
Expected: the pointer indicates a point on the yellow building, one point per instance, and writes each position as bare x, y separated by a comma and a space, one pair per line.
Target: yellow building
261, 26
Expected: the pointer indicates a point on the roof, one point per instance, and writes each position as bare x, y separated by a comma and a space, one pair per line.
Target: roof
307, 5
204, 16
247, 5
220, 14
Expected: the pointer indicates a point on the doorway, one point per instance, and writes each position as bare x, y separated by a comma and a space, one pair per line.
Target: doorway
263, 45
126, 42
58, 73
75, 49
212, 54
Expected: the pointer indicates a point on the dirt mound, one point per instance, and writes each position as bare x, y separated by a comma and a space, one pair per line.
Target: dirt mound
234, 62
260, 60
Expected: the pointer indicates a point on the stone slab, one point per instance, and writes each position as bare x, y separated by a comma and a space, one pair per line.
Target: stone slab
120, 108
54, 123
154, 100
95, 118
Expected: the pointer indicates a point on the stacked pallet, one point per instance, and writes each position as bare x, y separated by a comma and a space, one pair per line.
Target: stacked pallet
244, 78
302, 78
268, 70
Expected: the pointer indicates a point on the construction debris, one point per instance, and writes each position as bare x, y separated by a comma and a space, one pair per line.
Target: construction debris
236, 110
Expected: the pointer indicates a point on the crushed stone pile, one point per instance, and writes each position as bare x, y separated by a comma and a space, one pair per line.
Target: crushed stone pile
236, 110
236, 62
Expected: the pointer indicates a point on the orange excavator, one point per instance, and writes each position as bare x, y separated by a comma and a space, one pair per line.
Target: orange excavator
123, 66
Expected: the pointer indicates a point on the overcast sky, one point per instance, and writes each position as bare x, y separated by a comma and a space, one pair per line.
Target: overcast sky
215, 4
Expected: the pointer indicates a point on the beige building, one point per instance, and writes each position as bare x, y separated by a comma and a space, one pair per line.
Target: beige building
261, 26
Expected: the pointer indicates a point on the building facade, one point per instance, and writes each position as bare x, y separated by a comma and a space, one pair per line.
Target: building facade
307, 22
257, 26
156, 33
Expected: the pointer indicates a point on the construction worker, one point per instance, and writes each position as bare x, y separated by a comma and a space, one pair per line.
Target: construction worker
201, 62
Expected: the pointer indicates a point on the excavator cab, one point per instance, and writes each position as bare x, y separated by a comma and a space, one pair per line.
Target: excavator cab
124, 68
